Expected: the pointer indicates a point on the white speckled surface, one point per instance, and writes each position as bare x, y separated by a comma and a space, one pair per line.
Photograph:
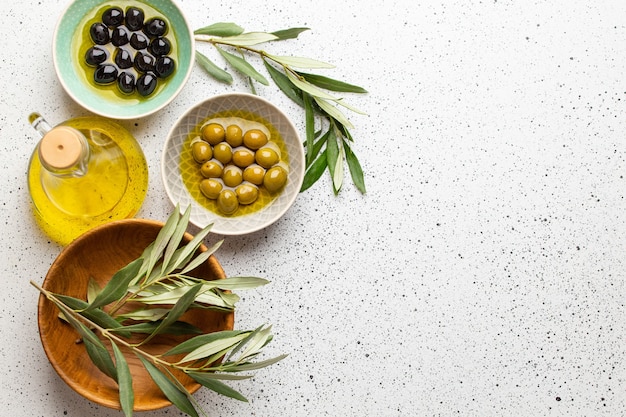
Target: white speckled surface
483, 272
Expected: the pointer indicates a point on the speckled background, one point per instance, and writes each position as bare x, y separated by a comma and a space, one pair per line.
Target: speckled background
483, 272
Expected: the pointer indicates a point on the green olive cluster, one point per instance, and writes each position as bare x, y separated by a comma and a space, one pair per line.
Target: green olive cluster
234, 164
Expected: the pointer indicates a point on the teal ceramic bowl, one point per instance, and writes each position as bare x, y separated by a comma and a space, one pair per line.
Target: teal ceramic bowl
71, 41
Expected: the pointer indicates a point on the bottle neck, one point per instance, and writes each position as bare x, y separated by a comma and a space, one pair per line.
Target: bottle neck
64, 152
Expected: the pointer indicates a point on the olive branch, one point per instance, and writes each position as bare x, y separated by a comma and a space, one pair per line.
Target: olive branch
159, 282
327, 147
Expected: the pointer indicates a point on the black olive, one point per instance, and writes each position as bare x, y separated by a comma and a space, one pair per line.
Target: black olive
126, 82
123, 59
95, 56
105, 74
99, 33
119, 36
164, 66
134, 18
155, 27
160, 46
138, 41
143, 62
146, 84
113, 17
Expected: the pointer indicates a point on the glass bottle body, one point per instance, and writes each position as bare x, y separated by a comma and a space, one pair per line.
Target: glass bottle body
111, 184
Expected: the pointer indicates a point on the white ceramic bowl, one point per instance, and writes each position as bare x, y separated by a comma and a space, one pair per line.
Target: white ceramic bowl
183, 130
69, 49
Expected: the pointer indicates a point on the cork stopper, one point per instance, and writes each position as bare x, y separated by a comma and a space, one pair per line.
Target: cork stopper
61, 148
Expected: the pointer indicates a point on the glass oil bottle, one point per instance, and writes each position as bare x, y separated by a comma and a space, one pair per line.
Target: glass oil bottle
83, 173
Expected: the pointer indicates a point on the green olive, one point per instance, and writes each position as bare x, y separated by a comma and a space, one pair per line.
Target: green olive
201, 151
275, 179
266, 157
223, 152
227, 201
212, 169
213, 133
234, 135
232, 176
254, 139
243, 157
254, 174
210, 188
247, 193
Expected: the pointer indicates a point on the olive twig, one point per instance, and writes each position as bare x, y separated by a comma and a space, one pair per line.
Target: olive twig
149, 280
326, 148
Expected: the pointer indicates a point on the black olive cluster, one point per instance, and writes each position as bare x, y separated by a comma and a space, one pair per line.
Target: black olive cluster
130, 51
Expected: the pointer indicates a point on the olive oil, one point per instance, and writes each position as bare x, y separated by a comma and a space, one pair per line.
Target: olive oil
109, 183
191, 174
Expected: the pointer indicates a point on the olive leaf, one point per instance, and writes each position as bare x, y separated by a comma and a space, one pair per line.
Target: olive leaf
124, 381
333, 160
355, 167
345, 104
254, 343
333, 112
284, 84
199, 341
250, 39
253, 366
176, 328
217, 386
290, 33
314, 171
161, 294
202, 258
174, 241
331, 84
299, 62
169, 296
100, 356
220, 29
236, 283
170, 390
148, 314
242, 66
93, 289
211, 348
117, 287
212, 69
310, 128
226, 376
307, 87
161, 242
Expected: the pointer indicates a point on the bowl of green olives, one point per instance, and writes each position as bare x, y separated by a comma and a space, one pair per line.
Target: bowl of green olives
237, 160
123, 59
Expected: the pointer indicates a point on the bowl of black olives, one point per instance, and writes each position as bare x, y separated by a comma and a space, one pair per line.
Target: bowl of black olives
123, 59
237, 160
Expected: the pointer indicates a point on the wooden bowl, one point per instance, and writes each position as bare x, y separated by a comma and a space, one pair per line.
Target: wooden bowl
99, 253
